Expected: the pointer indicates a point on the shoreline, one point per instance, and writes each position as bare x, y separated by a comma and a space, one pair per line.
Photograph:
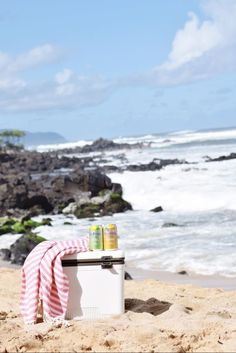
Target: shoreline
203, 281
7, 264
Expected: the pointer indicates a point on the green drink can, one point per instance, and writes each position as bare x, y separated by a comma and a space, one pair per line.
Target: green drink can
96, 237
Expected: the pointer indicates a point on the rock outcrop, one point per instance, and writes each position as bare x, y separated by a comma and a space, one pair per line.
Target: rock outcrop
42, 183
107, 203
102, 144
221, 158
157, 209
21, 248
155, 164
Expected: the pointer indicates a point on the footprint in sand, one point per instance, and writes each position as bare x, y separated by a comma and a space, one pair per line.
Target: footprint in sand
3, 315
152, 306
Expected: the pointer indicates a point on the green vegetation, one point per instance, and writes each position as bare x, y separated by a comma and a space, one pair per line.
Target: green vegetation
87, 210
35, 238
114, 204
102, 192
115, 196
15, 226
10, 139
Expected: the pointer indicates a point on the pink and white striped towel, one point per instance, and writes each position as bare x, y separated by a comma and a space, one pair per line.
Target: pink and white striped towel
43, 278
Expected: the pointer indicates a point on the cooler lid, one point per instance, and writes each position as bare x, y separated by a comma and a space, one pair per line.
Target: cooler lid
98, 254
105, 259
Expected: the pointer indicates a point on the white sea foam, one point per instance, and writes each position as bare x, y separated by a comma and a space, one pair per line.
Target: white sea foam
7, 239
181, 187
181, 137
59, 146
201, 243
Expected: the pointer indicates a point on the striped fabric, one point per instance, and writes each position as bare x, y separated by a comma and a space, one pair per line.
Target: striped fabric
43, 278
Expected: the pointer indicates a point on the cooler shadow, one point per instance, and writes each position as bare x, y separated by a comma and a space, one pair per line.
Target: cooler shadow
152, 306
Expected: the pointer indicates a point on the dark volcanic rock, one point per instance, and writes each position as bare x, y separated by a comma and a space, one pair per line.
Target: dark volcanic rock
183, 272
101, 145
5, 254
156, 164
117, 188
22, 247
37, 203
157, 209
32, 182
112, 169
87, 210
92, 181
104, 205
221, 158
6, 157
115, 204
169, 224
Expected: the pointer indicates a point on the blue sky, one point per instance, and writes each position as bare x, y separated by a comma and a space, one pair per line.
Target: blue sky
91, 68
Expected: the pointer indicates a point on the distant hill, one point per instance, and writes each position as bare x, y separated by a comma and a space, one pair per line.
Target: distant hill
42, 138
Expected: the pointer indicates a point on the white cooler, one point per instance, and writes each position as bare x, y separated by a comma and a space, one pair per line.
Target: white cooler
96, 284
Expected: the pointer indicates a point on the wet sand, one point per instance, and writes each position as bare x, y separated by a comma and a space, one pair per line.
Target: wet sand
213, 281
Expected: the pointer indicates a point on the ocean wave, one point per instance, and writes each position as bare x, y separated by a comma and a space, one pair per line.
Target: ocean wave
178, 189
55, 147
162, 140
183, 138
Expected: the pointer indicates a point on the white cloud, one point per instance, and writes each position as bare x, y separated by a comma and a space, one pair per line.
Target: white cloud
201, 48
4, 59
193, 41
37, 56
67, 90
11, 84
64, 76
10, 67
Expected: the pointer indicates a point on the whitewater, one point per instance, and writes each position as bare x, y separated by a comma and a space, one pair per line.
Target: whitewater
196, 231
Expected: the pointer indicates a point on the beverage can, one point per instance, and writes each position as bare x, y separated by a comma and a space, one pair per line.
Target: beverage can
96, 237
110, 237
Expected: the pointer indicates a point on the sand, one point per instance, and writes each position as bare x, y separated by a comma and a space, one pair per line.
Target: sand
159, 317
207, 281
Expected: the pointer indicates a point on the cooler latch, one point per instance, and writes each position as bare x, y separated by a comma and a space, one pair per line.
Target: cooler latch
106, 262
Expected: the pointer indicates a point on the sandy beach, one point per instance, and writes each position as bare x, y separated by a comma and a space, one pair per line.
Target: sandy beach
160, 317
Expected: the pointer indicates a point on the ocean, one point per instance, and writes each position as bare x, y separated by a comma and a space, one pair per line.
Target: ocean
196, 231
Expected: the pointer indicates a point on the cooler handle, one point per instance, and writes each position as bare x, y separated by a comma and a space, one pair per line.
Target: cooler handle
107, 262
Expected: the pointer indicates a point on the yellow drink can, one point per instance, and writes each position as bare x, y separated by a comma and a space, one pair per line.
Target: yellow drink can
110, 238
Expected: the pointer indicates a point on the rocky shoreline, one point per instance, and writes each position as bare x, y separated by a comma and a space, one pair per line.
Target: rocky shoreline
43, 183
47, 183
33, 183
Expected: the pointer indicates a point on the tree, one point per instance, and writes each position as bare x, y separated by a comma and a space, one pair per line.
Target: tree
18, 134
5, 134
11, 138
